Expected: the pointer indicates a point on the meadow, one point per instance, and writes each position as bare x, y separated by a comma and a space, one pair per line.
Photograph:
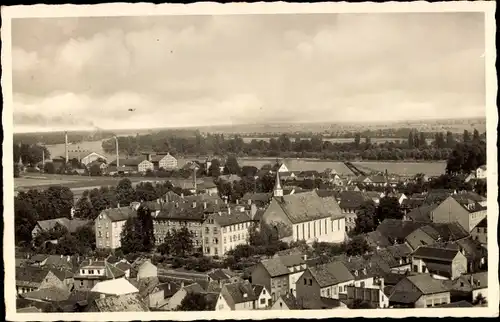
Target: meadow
340, 140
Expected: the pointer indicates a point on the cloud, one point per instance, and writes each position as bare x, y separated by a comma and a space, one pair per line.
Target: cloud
222, 69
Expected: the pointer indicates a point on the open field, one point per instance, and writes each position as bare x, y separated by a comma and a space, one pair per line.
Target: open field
405, 168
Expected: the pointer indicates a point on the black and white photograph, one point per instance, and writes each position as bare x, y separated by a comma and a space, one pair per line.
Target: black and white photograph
160, 160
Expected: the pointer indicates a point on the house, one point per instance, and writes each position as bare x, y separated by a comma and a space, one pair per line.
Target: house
455, 304
183, 291
102, 165
469, 197
397, 230
481, 172
280, 274
119, 303
223, 276
375, 196
374, 295
260, 199
286, 302
117, 286
305, 216
480, 232
419, 291
242, 296
230, 178
281, 166
71, 225
432, 233
309, 175
208, 187
324, 280
131, 165
468, 214
375, 239
441, 263
47, 294
86, 157
30, 279
378, 181
397, 257
422, 213
224, 231
109, 226
476, 254
159, 296
469, 286
350, 202
164, 161
92, 272
147, 270
412, 202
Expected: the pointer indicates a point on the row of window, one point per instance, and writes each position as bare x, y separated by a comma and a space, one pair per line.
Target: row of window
322, 228
177, 223
235, 238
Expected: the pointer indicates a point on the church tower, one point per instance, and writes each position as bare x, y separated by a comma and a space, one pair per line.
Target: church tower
278, 190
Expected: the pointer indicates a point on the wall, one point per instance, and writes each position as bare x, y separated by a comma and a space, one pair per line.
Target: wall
279, 286
260, 276
146, 270
279, 305
222, 304
52, 280
418, 238
458, 266
234, 235
85, 283
264, 300
322, 230
176, 299
157, 299
475, 218
309, 289
211, 233
480, 234
276, 217
292, 281
483, 291
103, 228
449, 211
168, 162
432, 300
244, 306
162, 226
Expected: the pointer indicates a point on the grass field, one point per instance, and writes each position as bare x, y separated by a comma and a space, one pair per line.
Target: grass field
406, 168
343, 140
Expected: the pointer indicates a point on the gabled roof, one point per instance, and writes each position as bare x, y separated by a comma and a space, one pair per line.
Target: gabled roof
404, 297
352, 199
278, 266
257, 196
226, 219
398, 229
375, 237
240, 292
121, 303
483, 223
307, 206
118, 286
290, 301
326, 193
71, 224
427, 285
119, 214
331, 273
435, 253
129, 162
422, 213
53, 294
28, 275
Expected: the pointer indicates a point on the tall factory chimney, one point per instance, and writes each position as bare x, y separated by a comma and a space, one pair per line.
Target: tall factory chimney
117, 154
66, 145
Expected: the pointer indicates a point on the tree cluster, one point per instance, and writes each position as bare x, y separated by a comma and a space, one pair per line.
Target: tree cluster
138, 232
59, 241
31, 154
467, 157
177, 243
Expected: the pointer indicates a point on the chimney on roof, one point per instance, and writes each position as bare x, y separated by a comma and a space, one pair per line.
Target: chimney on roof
118, 205
253, 211
194, 204
229, 210
182, 195
237, 201
204, 205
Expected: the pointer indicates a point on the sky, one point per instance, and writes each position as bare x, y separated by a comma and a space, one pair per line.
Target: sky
175, 71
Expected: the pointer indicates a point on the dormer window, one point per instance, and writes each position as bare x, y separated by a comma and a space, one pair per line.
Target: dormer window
356, 273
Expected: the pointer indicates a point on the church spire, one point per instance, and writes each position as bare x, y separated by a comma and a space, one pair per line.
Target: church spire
278, 191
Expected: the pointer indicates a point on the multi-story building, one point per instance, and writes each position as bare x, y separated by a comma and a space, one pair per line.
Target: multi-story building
480, 232
92, 272
280, 274
131, 165
304, 216
419, 291
223, 231
109, 226
373, 295
164, 161
30, 279
468, 213
481, 172
440, 262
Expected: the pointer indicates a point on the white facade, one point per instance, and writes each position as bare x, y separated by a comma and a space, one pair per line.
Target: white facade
283, 168
91, 158
221, 304
168, 162
321, 230
481, 173
145, 165
263, 300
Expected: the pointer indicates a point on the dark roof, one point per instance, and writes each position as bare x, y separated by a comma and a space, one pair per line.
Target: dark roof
426, 284
434, 253
312, 303
439, 269
121, 303
226, 219
422, 213
404, 297
71, 224
53, 294
352, 199
326, 193
123, 266
398, 229
413, 202
468, 195
218, 275
257, 196
129, 162
483, 223
184, 211
376, 238
290, 301
278, 265
456, 304
169, 288
240, 292
119, 214
307, 206
331, 273
393, 278
28, 275
29, 309
211, 300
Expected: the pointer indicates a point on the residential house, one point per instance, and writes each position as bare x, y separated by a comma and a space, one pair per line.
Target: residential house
159, 296
397, 230
419, 291
242, 296
102, 165
467, 214
323, 281
176, 299
305, 216
92, 272
30, 279
224, 231
109, 226
432, 233
412, 202
480, 232
164, 161
309, 175
47, 294
279, 274
132, 165
481, 173
397, 257
476, 254
208, 187
260, 199
375, 239
379, 181
71, 225
286, 302
466, 197
441, 263
422, 213
223, 276
119, 303
147, 270
281, 167
373, 295
350, 202
469, 286
85, 157
117, 286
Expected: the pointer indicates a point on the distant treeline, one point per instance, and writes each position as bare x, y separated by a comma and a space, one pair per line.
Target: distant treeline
58, 137
415, 147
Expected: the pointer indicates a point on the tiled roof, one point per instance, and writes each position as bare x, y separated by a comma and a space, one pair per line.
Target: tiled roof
169, 288
119, 214
439, 269
398, 229
182, 211
375, 237
218, 275
71, 224
469, 195
240, 292
307, 206
277, 266
326, 193
226, 219
121, 303
413, 202
53, 294
257, 196
320, 304
123, 266
352, 199
30, 276
434, 253
29, 309
290, 301
472, 248
404, 297
331, 273
211, 300
426, 284
399, 250
422, 213
130, 162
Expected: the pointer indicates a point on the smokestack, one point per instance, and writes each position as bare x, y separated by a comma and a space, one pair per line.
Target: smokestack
66, 146
117, 154
194, 176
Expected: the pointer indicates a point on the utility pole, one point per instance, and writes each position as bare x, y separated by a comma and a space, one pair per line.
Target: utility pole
117, 154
